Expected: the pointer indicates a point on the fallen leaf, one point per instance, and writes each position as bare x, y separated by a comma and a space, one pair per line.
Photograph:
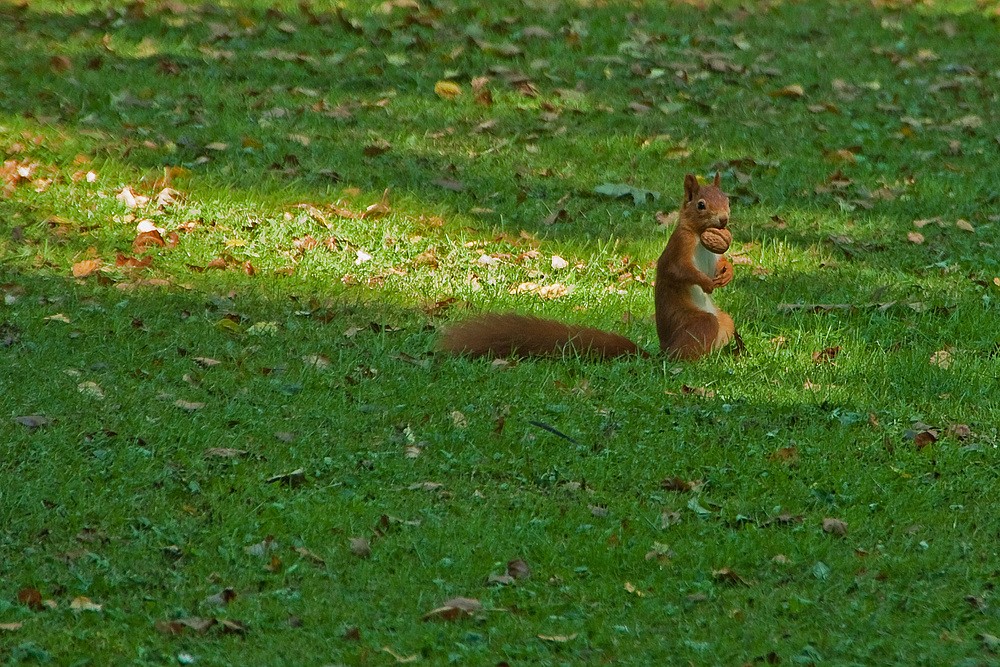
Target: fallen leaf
10, 627
558, 639
222, 598
225, 452
293, 478
454, 608
964, 225
794, 90
834, 526
674, 484
825, 356
360, 547
400, 658
379, 208
190, 406
942, 359
33, 422
83, 604
447, 89
915, 237
924, 438
727, 576
518, 569
86, 267
91, 390
789, 455
30, 598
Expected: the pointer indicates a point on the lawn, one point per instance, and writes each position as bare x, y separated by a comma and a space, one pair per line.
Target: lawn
231, 232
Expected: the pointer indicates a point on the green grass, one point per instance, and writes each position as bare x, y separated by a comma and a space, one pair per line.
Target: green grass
326, 363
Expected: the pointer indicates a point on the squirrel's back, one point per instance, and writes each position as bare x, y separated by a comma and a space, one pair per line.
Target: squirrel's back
522, 335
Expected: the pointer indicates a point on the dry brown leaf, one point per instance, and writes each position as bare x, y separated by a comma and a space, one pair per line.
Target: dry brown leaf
83, 604
225, 452
447, 90
558, 639
86, 267
190, 406
454, 608
379, 208
915, 237
789, 455
825, 356
360, 547
400, 658
518, 569
30, 598
942, 359
794, 91
10, 627
834, 526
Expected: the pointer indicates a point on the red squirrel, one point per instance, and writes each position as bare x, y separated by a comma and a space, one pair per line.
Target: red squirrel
688, 324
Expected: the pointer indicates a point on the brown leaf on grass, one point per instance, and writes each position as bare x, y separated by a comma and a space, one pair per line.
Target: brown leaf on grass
825, 356
915, 237
964, 225
86, 267
454, 608
558, 639
145, 239
794, 91
83, 604
30, 598
225, 452
675, 484
133, 262
222, 598
941, 359
263, 548
310, 556
33, 422
697, 391
399, 657
379, 147
197, 624
960, 431
129, 197
360, 547
378, 209
789, 455
292, 479
10, 627
190, 406
248, 268
518, 569
447, 90
924, 438
834, 526
727, 576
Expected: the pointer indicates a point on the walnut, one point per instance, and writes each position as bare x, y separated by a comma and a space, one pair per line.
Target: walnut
717, 240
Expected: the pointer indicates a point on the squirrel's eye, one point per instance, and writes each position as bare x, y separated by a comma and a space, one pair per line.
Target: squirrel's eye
701, 205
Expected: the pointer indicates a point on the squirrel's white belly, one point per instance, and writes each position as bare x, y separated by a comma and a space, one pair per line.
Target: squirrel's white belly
705, 261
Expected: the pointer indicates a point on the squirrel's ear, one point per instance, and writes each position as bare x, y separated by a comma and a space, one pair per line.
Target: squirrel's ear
690, 187
718, 180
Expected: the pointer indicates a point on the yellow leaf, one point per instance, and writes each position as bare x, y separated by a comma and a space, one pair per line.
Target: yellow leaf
447, 89
794, 90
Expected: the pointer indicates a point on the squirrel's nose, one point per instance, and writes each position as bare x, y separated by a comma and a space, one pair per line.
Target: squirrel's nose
723, 221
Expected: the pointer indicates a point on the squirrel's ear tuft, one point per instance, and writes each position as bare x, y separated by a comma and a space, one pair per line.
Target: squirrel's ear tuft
690, 187
718, 180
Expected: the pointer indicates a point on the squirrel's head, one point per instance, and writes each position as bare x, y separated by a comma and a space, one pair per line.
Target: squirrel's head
705, 206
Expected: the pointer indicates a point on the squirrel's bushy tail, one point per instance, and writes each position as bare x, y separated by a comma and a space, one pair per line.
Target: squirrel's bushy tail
521, 335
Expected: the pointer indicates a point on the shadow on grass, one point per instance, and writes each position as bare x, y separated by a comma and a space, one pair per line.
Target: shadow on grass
311, 102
